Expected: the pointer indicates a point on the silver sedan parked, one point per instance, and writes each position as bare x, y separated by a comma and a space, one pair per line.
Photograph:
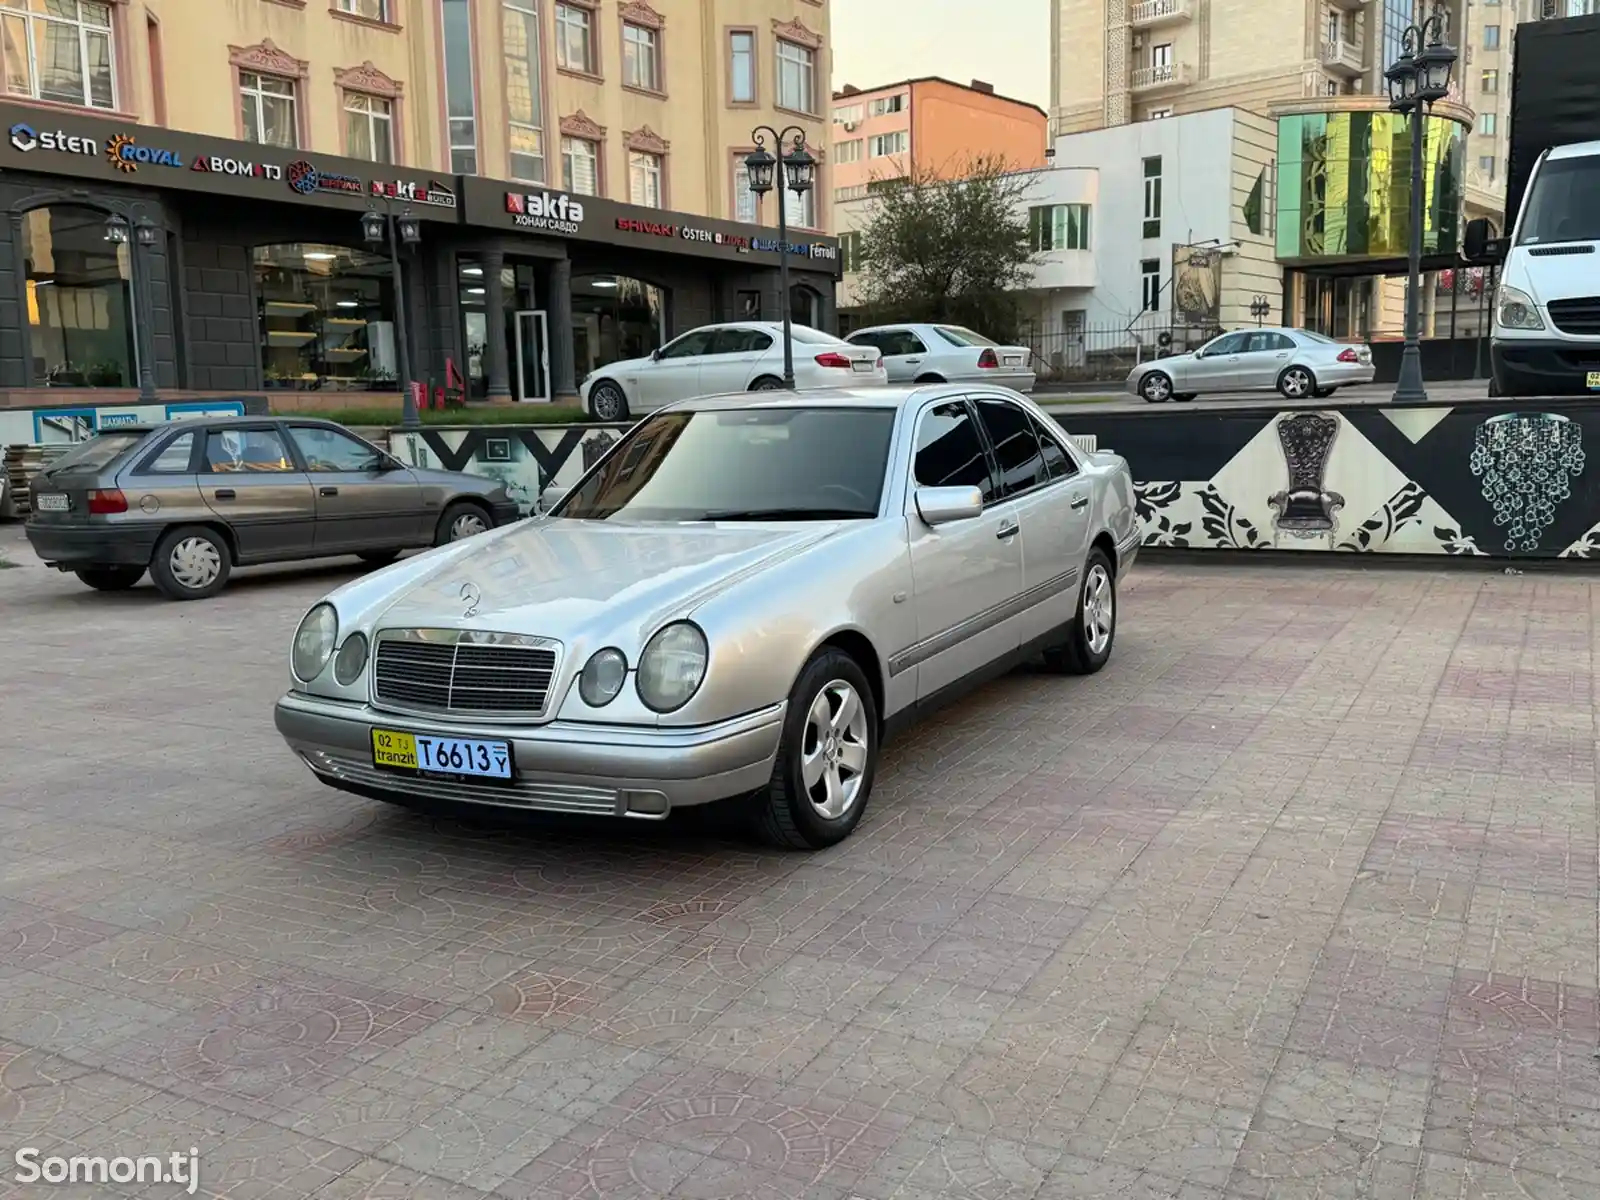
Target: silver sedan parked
924, 353
1296, 362
745, 596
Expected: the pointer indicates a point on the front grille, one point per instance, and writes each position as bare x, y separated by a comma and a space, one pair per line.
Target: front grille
464, 672
544, 797
1581, 316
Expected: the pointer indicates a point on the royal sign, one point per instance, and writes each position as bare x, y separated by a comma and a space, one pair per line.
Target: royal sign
126, 154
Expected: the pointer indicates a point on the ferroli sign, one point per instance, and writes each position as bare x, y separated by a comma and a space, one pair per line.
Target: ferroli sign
87, 147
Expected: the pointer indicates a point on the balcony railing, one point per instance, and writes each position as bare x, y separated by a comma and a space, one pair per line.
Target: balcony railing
1344, 58
1161, 75
1147, 13
1349, 5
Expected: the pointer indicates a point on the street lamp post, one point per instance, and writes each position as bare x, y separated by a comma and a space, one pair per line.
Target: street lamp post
402, 229
795, 170
1259, 308
1418, 78
144, 235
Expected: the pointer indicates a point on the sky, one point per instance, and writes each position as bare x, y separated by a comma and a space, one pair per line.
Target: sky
1006, 42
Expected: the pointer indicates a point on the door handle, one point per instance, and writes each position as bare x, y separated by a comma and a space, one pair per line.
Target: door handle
328, 491
1080, 502
911, 362
224, 494
1006, 531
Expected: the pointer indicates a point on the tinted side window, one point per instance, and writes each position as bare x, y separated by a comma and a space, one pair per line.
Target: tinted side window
1056, 459
171, 459
330, 450
246, 450
950, 452
1282, 341
755, 340
1232, 344
874, 340
689, 344
1016, 446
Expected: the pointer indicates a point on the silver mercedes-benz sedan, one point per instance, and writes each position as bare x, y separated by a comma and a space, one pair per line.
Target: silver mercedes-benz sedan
1296, 362
744, 597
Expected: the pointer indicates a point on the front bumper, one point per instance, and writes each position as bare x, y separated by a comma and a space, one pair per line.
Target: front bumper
1542, 366
1017, 381
562, 767
68, 547
506, 513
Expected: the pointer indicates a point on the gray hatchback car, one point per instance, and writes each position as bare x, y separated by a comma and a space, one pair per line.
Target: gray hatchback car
191, 500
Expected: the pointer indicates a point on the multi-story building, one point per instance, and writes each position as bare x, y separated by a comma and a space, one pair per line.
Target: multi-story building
928, 127
574, 169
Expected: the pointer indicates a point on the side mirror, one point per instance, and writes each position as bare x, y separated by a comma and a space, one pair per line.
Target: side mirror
1480, 246
549, 498
386, 463
944, 505
655, 355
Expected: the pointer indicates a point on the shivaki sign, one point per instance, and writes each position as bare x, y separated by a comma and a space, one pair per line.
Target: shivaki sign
688, 233
552, 212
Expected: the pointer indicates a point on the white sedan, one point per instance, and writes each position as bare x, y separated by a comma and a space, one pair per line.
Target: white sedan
741, 356
918, 353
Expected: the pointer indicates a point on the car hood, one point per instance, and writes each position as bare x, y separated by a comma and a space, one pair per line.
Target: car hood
567, 579
479, 484
1170, 360
622, 367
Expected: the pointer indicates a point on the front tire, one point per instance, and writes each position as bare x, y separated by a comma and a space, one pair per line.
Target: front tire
110, 579
462, 519
191, 563
378, 558
608, 402
1156, 387
1296, 383
829, 755
1093, 631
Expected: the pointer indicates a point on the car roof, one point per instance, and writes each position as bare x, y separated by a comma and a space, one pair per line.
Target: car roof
892, 397
222, 421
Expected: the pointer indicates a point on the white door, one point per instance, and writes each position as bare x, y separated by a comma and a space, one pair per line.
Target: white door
904, 355
730, 360
532, 357
1265, 355
675, 374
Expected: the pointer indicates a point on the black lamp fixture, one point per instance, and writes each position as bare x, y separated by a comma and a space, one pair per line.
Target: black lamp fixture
1259, 308
117, 229
794, 170
1416, 80
403, 229
139, 238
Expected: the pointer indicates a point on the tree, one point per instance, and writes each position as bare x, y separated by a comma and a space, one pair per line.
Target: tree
948, 245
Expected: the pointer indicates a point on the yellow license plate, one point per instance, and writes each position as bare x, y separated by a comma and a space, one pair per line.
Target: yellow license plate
394, 749
1593, 380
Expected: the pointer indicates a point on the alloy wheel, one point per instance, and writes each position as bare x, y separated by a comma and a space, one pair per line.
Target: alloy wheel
1295, 383
1099, 610
468, 524
195, 563
1156, 388
607, 403
833, 752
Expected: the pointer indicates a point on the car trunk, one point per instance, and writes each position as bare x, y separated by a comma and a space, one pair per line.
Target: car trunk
59, 495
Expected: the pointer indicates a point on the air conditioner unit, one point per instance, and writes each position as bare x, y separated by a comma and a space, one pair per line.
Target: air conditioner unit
850, 126
1138, 41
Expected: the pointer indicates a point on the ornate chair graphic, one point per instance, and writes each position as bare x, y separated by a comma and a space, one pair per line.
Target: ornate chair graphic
1306, 509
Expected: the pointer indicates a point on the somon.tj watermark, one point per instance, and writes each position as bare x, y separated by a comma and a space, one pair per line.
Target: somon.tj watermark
176, 1168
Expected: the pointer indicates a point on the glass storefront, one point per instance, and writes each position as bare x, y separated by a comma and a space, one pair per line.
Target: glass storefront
79, 291
1344, 185
326, 315
614, 317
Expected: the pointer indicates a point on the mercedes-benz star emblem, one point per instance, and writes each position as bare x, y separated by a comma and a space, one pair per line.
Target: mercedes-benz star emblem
471, 597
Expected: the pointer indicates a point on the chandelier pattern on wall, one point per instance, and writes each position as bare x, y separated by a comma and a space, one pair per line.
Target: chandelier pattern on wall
1526, 463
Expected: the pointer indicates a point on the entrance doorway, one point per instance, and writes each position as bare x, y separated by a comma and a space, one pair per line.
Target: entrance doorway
530, 361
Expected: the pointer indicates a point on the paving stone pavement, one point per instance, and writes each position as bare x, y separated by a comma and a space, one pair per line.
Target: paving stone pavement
1297, 899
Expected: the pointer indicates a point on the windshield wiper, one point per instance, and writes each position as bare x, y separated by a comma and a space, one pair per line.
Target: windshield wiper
788, 514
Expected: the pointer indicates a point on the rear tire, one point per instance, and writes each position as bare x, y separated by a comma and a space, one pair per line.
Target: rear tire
1322, 393
930, 378
192, 562
378, 558
1297, 382
767, 383
1092, 633
1184, 397
463, 519
110, 579
1156, 387
823, 777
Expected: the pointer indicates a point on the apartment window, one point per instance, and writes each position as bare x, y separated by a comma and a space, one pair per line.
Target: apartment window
885, 105
854, 192
847, 152
580, 165
1486, 164
1331, 87
1490, 82
746, 204
1486, 123
797, 77
742, 67
369, 127
267, 104
575, 39
460, 101
850, 114
881, 145
641, 58
59, 50
1150, 284
1059, 227
850, 251
524, 89
1491, 37
373, 10
645, 172
800, 211
1335, 27
1161, 61
1160, 114
1152, 197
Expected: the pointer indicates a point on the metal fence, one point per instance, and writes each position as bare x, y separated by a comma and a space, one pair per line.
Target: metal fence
1095, 354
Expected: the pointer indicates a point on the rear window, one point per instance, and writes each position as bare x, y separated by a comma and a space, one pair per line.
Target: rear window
1316, 337
813, 337
960, 335
98, 452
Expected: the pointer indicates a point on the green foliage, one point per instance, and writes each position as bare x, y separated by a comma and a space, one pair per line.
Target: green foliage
936, 248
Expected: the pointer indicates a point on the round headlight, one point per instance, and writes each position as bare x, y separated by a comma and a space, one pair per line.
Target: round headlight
603, 677
672, 666
313, 642
352, 657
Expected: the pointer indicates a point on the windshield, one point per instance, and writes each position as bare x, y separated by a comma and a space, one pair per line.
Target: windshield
1564, 205
97, 452
745, 464
958, 335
